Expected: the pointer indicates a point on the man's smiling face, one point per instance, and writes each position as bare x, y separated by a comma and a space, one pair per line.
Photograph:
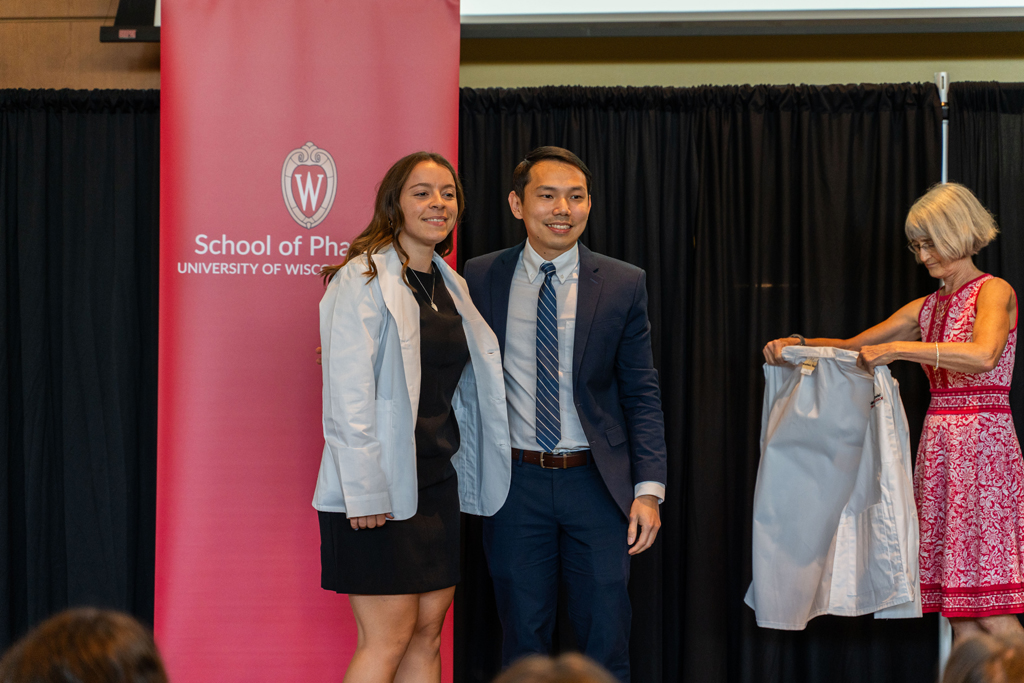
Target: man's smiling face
554, 207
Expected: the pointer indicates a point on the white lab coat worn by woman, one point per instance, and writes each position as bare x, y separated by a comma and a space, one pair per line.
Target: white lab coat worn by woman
371, 387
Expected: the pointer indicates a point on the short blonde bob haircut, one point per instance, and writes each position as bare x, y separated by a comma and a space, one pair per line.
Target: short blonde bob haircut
953, 219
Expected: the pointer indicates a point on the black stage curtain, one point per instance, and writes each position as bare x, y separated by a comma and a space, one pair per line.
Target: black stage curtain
756, 211
78, 305
637, 143
986, 153
804, 195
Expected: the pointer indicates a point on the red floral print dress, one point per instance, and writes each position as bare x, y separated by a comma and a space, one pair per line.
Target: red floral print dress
969, 478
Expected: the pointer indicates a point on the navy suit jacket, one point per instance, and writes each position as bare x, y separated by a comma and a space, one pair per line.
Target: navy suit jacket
615, 385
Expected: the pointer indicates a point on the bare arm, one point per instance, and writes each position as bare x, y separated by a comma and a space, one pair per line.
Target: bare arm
996, 314
900, 326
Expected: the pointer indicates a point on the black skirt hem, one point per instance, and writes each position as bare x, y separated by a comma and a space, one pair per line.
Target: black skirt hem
408, 557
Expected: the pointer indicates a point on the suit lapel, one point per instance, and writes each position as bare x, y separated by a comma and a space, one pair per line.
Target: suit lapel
500, 282
588, 292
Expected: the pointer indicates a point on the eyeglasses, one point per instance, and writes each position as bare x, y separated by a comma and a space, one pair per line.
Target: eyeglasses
923, 245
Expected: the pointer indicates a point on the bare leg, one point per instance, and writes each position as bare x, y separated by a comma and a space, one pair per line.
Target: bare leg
965, 627
386, 624
1001, 624
422, 661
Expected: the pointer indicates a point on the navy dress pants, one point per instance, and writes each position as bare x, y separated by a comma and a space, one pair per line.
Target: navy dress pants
561, 529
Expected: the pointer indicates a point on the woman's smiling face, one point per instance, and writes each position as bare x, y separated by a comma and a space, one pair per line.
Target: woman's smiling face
429, 204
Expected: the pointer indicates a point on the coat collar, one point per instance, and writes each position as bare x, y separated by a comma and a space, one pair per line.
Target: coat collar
402, 303
565, 263
459, 291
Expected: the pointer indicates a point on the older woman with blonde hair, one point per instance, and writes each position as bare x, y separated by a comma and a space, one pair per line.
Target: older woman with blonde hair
969, 476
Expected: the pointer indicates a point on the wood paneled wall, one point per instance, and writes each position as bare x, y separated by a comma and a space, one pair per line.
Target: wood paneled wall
56, 44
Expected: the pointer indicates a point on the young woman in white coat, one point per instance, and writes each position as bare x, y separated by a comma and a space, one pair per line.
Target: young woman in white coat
414, 421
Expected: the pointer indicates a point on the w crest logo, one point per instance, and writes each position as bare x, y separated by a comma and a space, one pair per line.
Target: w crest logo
309, 181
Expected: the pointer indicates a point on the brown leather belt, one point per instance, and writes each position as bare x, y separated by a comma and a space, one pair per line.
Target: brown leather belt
552, 461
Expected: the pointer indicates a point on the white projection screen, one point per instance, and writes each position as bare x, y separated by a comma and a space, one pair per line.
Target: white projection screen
496, 18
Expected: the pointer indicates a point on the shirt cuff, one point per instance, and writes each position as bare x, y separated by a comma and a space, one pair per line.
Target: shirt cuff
650, 488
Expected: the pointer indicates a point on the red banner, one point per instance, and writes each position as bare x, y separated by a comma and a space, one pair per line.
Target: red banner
278, 121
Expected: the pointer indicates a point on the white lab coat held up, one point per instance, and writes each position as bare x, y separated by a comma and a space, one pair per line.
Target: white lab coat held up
835, 526
370, 339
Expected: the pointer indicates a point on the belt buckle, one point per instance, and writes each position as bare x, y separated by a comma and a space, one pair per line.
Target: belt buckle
557, 456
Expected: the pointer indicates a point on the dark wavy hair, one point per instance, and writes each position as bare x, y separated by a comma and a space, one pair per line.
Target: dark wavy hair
521, 174
388, 220
85, 645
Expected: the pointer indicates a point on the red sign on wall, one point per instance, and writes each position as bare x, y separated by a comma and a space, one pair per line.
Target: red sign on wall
278, 121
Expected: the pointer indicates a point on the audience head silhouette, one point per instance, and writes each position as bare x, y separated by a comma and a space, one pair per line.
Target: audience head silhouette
568, 668
85, 645
987, 658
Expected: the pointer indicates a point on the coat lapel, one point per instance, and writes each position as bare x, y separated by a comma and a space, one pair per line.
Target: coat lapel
588, 293
458, 290
500, 282
405, 311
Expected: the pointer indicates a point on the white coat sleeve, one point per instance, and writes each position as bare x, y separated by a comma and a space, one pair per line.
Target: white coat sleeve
350, 333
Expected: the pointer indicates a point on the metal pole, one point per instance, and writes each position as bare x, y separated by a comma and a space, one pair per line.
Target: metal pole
945, 644
942, 83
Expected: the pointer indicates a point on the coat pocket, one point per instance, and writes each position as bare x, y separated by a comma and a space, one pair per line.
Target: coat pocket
616, 435
868, 572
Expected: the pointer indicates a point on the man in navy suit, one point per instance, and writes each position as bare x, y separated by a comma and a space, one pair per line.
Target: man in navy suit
588, 437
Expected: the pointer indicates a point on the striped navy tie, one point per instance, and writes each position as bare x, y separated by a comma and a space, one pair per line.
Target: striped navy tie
549, 426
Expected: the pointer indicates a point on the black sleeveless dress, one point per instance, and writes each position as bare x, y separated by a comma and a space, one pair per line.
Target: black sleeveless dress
420, 554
